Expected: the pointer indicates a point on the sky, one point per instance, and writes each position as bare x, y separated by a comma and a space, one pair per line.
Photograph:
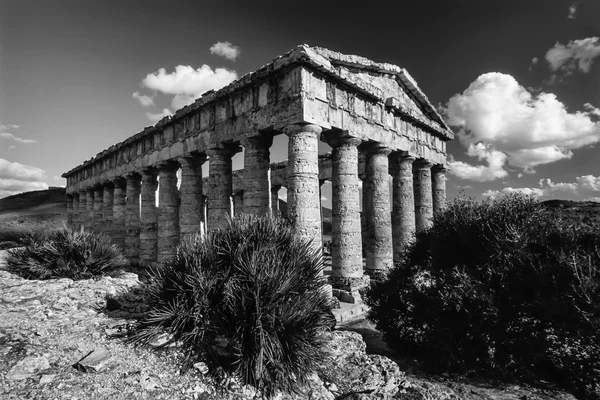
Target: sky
518, 81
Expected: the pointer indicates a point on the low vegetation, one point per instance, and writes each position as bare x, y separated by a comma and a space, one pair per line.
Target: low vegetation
506, 288
65, 253
248, 299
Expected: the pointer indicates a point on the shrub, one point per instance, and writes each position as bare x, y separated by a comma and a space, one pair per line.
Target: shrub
505, 287
65, 253
249, 298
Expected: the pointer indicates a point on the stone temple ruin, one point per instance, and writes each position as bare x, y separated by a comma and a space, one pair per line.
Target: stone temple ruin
373, 115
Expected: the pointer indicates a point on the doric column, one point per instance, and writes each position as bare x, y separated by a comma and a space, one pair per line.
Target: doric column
423, 194
75, 221
403, 222
192, 201
107, 207
70, 210
304, 205
82, 212
238, 202
132, 217
98, 208
119, 209
168, 211
275, 199
438, 182
257, 179
148, 217
220, 178
378, 213
89, 205
346, 244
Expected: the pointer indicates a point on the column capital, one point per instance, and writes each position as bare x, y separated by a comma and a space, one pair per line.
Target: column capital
224, 150
375, 148
133, 176
340, 138
422, 164
193, 160
119, 182
300, 128
170, 165
260, 141
108, 184
439, 169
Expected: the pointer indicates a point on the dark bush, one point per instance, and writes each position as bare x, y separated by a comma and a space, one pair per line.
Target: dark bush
249, 298
506, 287
65, 253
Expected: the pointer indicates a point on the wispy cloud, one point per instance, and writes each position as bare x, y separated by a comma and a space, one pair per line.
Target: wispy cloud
146, 101
155, 117
534, 62
577, 55
16, 178
583, 187
504, 124
10, 136
225, 49
573, 11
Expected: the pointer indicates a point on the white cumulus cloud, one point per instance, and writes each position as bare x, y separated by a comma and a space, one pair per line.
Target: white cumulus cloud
575, 55
16, 178
225, 49
144, 100
584, 186
502, 123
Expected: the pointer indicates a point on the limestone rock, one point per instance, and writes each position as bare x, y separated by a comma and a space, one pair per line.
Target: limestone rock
27, 367
94, 361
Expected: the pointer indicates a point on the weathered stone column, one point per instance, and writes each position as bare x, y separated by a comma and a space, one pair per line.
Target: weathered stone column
423, 194
403, 222
257, 177
119, 209
149, 217
378, 214
82, 213
304, 205
438, 181
238, 202
168, 211
89, 205
75, 222
275, 199
346, 246
70, 210
107, 207
220, 178
192, 202
98, 208
132, 217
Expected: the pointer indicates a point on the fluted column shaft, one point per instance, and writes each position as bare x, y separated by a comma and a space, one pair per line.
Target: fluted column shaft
238, 202
75, 222
132, 217
346, 244
378, 213
98, 208
220, 178
148, 217
275, 199
82, 213
168, 211
423, 194
257, 178
89, 205
70, 210
192, 202
119, 210
438, 182
304, 204
403, 223
107, 207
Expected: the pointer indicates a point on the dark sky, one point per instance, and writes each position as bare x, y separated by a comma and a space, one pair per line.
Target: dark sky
68, 70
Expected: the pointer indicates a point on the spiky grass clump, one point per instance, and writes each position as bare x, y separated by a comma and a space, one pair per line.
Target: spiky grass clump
65, 253
249, 298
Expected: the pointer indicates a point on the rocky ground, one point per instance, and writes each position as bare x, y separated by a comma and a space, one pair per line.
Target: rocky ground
58, 340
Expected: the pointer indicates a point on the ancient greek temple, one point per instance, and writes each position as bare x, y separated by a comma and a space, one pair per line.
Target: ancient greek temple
381, 127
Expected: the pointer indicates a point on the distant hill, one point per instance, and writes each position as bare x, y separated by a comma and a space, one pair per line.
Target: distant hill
586, 212
30, 211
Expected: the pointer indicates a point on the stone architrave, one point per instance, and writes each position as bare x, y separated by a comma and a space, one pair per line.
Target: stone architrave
191, 209
89, 205
403, 222
82, 212
132, 217
238, 202
378, 219
148, 217
119, 210
221, 186
423, 194
275, 199
70, 210
257, 178
168, 211
346, 244
304, 204
107, 207
438, 182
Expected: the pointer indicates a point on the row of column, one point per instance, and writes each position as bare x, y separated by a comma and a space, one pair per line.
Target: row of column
151, 234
